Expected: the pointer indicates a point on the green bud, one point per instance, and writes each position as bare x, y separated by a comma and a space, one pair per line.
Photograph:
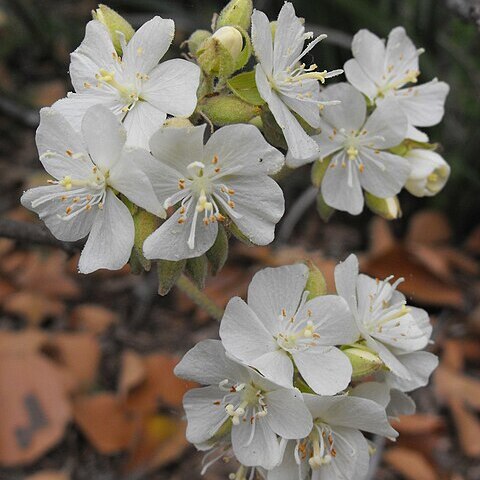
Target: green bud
364, 362
316, 283
244, 86
227, 109
177, 122
388, 208
231, 39
218, 55
196, 39
325, 211
236, 12
168, 273
116, 24
218, 253
145, 224
319, 168
197, 269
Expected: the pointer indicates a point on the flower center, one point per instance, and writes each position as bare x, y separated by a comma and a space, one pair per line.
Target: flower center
411, 76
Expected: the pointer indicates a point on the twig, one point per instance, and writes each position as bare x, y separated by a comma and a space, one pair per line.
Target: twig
24, 115
295, 214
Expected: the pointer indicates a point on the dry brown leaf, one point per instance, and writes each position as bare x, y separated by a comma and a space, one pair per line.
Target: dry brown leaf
133, 372
453, 355
418, 424
411, 464
93, 318
78, 353
160, 385
381, 236
49, 475
35, 410
468, 428
455, 385
21, 343
46, 93
473, 241
105, 422
6, 289
33, 307
429, 227
12, 263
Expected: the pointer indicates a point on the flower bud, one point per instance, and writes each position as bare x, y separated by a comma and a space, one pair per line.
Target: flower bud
145, 224
196, 39
429, 172
231, 39
236, 12
117, 26
168, 273
316, 283
388, 208
364, 362
227, 109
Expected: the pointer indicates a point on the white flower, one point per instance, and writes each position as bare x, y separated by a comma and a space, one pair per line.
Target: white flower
256, 409
279, 328
335, 449
429, 173
134, 87
228, 177
358, 147
388, 326
89, 169
382, 72
287, 85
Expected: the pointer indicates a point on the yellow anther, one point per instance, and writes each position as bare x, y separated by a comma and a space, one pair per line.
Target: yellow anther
352, 152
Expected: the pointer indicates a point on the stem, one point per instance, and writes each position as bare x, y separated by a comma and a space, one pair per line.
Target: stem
199, 298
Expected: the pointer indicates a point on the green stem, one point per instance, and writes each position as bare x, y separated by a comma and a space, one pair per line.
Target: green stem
199, 298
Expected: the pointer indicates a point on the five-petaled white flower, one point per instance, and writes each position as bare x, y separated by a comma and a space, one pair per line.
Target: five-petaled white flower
279, 328
286, 84
134, 86
429, 172
382, 72
358, 147
256, 409
228, 177
335, 449
388, 326
89, 169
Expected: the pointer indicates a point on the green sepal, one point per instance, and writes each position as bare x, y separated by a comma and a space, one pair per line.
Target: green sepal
364, 361
168, 273
197, 269
215, 59
316, 283
247, 49
227, 109
272, 131
145, 224
237, 233
218, 253
325, 211
388, 208
243, 86
236, 12
196, 39
319, 169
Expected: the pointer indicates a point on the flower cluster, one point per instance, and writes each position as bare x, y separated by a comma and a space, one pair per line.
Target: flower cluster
297, 377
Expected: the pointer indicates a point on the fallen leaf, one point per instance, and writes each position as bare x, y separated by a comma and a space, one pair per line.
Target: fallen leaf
22, 342
418, 424
133, 372
381, 236
429, 227
468, 427
93, 318
411, 464
105, 422
49, 475
35, 410
46, 93
6, 289
455, 385
473, 241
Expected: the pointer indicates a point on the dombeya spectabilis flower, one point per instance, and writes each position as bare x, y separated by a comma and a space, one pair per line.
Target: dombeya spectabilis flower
256, 409
287, 85
429, 172
335, 448
138, 90
227, 177
89, 170
279, 328
388, 326
357, 145
382, 72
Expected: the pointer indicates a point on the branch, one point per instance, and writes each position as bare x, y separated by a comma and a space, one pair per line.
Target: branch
24, 115
32, 233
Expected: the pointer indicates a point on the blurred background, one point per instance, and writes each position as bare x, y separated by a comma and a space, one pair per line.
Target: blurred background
86, 383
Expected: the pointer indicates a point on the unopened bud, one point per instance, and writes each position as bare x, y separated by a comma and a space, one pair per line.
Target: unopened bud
227, 109
231, 39
236, 12
364, 362
316, 283
117, 26
388, 208
196, 39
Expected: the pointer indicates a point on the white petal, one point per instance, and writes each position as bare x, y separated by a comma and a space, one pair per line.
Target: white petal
416, 134
259, 204
263, 449
375, 391
104, 136
350, 113
328, 141
129, 179
401, 54
346, 274
369, 51
424, 105
141, 122
243, 334
170, 241
51, 212
262, 40
178, 147
172, 87
95, 52
294, 98
341, 187
287, 414
384, 174
149, 44
299, 143
204, 415
390, 360
288, 469
276, 366
274, 289
57, 142
244, 148
360, 79
400, 404
111, 239
326, 370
